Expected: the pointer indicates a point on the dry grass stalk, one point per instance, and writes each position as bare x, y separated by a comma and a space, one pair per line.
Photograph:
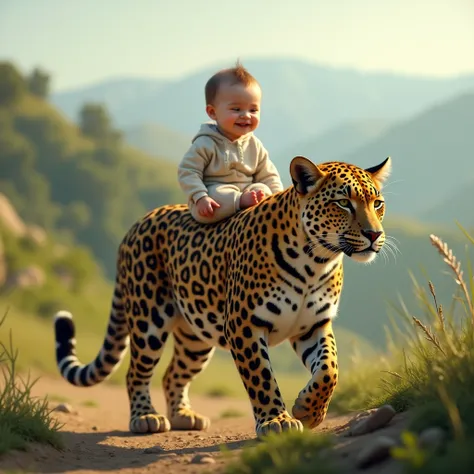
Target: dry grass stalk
439, 308
451, 260
429, 335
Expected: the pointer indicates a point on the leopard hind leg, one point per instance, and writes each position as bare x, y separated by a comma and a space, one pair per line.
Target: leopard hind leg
190, 357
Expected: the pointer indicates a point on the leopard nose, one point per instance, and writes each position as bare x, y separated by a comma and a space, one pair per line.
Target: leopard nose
372, 235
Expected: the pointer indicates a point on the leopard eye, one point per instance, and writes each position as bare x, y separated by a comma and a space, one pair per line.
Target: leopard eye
344, 203
378, 204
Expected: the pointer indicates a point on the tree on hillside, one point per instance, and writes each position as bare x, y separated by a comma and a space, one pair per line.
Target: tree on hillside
39, 83
12, 84
96, 123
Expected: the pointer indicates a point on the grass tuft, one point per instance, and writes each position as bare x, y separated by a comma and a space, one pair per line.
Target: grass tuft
292, 452
23, 418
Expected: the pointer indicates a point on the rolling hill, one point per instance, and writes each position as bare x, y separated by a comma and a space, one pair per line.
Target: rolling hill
300, 99
62, 180
457, 206
431, 152
114, 93
158, 141
333, 143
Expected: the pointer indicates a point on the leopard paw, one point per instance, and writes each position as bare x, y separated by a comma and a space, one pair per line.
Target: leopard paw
309, 410
281, 423
187, 419
149, 423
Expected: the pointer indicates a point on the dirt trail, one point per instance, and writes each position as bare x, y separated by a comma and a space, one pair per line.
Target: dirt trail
97, 437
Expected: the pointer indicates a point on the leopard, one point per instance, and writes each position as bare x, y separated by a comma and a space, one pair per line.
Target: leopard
268, 274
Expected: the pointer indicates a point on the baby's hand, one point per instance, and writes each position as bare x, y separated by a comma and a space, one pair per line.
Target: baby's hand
205, 206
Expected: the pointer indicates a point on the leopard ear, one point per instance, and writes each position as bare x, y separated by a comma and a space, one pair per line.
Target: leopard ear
306, 176
381, 172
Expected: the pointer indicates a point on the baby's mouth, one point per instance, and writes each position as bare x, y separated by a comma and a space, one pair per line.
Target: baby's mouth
243, 125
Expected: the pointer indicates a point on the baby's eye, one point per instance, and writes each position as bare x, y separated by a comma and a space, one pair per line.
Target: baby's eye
235, 109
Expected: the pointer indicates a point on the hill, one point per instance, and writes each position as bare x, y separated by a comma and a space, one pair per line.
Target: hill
432, 155
114, 93
300, 99
333, 143
86, 190
455, 206
158, 141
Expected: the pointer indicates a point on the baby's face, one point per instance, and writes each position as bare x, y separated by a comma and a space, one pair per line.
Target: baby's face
236, 109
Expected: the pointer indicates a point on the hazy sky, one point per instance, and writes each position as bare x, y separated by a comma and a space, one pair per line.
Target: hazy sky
83, 41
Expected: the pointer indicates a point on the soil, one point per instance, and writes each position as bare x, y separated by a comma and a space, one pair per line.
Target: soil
97, 439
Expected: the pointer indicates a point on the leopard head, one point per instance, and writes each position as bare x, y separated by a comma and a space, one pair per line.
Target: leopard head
342, 206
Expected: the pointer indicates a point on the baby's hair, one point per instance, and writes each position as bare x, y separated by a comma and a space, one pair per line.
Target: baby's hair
234, 75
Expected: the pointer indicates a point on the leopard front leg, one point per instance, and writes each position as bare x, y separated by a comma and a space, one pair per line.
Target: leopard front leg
191, 355
317, 349
250, 352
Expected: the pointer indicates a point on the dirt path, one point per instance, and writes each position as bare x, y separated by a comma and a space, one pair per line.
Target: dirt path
97, 437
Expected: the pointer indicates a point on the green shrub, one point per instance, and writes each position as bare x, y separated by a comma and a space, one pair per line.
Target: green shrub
23, 418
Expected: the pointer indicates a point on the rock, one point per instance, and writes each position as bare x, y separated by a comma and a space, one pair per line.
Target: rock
203, 459
376, 420
360, 416
431, 438
375, 452
64, 408
154, 450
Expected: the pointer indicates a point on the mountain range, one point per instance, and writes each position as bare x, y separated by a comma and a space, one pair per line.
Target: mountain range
301, 100
323, 113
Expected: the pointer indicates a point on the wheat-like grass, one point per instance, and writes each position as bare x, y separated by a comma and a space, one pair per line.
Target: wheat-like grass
451, 260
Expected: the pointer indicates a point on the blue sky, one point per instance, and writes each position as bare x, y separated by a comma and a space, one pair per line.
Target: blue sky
84, 41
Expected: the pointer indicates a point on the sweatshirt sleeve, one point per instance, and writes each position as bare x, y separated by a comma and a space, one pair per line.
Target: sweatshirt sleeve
266, 171
191, 168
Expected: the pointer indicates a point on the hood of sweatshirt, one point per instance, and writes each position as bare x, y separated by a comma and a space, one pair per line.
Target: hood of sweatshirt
210, 129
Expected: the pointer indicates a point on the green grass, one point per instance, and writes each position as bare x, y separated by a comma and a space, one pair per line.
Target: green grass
292, 452
433, 375
23, 418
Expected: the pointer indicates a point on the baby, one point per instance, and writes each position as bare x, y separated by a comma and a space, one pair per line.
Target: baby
227, 168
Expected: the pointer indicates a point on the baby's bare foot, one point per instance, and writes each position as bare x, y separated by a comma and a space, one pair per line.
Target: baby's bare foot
260, 195
248, 199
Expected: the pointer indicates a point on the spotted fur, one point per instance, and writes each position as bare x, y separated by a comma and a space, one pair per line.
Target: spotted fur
268, 274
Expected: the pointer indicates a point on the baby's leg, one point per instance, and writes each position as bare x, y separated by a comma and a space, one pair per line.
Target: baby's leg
227, 195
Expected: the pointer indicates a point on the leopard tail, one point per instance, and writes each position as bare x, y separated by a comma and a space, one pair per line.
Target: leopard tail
108, 359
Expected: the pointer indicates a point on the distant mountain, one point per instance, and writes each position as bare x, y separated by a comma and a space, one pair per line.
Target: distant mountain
432, 156
457, 206
158, 141
333, 143
114, 93
300, 99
